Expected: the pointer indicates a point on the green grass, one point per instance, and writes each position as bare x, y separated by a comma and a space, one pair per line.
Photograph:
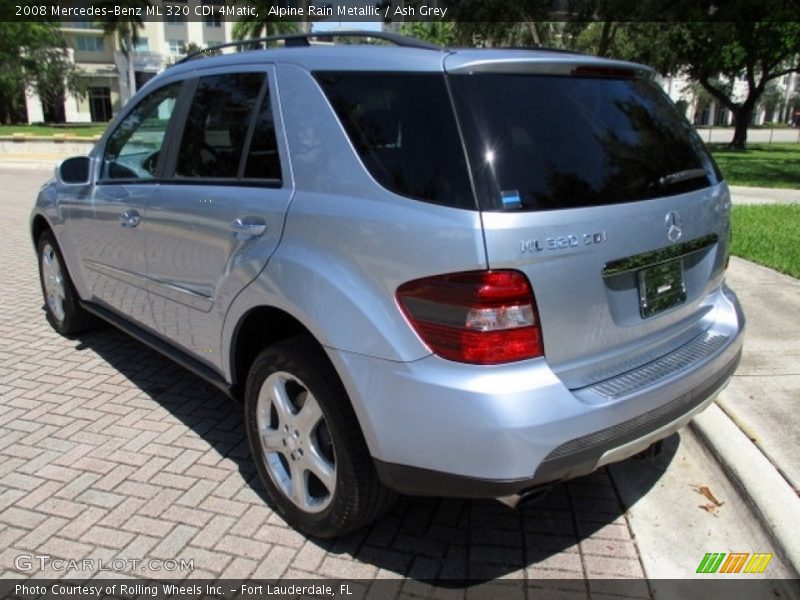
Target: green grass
761, 165
49, 130
768, 234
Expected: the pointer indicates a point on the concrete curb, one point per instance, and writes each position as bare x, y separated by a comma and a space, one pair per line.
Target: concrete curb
775, 502
35, 145
29, 164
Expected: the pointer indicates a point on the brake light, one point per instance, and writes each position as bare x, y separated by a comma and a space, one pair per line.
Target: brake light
479, 317
603, 72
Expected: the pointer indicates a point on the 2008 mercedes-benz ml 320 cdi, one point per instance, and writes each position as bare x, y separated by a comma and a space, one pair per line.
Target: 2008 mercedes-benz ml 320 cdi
444, 272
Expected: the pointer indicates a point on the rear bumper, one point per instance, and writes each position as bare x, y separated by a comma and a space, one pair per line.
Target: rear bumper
440, 428
606, 446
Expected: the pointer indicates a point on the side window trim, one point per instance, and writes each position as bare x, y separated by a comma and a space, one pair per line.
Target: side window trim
248, 139
269, 90
167, 161
166, 167
281, 142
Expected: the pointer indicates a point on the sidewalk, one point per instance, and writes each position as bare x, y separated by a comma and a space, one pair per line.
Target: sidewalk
33, 160
754, 427
758, 195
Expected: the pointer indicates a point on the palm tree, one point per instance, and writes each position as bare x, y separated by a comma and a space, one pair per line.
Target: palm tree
126, 27
264, 25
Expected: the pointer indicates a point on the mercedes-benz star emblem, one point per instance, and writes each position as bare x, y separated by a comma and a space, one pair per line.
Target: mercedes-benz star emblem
674, 231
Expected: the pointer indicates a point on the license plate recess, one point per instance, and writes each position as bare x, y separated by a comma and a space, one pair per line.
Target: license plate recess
661, 287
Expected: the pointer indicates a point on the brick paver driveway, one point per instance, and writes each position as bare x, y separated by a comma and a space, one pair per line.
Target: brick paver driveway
109, 451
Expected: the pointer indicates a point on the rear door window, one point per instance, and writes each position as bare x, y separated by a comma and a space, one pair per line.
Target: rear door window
403, 127
229, 132
540, 142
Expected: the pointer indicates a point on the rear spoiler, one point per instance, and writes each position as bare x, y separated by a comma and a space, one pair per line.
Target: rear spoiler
541, 63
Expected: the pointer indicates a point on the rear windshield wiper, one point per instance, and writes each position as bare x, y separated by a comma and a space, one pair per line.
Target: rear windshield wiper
680, 177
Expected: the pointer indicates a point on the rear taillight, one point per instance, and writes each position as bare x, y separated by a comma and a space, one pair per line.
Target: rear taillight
480, 317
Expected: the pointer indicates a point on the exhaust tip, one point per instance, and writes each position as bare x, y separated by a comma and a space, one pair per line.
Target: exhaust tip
525, 498
652, 451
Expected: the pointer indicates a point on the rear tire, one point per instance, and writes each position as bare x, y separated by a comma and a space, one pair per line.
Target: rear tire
61, 301
307, 444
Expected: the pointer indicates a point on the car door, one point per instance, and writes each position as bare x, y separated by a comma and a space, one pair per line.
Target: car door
106, 227
217, 218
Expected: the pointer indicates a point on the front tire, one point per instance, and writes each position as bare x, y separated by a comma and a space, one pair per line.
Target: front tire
61, 301
307, 444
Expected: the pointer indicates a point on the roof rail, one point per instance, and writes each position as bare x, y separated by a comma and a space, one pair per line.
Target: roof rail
303, 39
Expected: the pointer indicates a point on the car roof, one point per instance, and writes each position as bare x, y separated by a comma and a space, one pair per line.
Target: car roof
373, 57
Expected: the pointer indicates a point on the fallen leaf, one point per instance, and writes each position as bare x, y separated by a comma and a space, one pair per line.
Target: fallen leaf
710, 509
705, 491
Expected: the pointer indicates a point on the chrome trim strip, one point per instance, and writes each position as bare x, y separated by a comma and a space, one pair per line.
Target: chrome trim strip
655, 257
181, 295
134, 279
170, 291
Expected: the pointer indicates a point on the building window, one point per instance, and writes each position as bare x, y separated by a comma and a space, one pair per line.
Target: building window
177, 46
175, 19
86, 43
142, 45
100, 103
213, 21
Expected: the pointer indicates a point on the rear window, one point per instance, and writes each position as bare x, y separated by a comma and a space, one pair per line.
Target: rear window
550, 142
403, 128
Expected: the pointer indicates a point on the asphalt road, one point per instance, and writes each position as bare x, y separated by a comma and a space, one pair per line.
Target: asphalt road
109, 451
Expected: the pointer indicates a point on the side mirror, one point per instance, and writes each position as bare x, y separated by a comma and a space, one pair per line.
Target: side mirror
74, 170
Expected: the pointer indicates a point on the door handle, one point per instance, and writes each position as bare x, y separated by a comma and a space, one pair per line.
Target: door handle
248, 228
130, 218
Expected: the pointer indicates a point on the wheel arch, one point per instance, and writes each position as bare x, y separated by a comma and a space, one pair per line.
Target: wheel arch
256, 329
263, 325
39, 224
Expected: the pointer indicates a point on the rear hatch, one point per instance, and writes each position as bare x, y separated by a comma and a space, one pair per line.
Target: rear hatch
591, 183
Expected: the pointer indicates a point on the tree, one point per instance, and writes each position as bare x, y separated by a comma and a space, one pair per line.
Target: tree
52, 74
35, 55
746, 40
264, 24
15, 39
525, 22
715, 43
757, 51
126, 27
440, 33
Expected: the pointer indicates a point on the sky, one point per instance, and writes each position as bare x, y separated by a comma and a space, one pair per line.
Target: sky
329, 25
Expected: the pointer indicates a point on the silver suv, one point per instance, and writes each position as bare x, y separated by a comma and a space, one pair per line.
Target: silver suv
464, 273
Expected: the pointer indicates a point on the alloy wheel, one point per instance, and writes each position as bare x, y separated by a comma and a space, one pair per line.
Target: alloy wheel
53, 278
296, 442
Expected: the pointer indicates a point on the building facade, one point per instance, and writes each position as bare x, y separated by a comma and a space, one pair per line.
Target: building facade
98, 56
